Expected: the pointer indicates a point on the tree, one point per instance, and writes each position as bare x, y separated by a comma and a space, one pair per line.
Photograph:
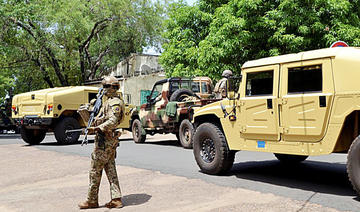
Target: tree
50, 43
242, 30
185, 28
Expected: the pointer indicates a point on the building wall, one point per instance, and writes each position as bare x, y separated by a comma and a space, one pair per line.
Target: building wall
138, 64
136, 74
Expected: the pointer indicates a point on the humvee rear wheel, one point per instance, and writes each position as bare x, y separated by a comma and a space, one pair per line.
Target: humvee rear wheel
353, 164
210, 150
67, 123
32, 136
137, 132
290, 159
186, 132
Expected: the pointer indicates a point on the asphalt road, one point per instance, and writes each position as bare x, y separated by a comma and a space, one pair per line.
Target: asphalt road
321, 180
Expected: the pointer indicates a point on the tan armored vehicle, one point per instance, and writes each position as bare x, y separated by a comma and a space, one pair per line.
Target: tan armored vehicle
293, 105
55, 110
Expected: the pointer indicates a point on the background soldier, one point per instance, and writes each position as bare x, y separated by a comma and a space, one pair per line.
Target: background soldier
220, 87
106, 141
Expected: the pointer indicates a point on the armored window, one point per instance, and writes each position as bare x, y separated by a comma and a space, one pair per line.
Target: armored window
205, 88
186, 84
259, 83
305, 79
195, 87
91, 96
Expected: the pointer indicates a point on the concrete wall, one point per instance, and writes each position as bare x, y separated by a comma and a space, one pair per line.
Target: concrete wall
136, 73
138, 64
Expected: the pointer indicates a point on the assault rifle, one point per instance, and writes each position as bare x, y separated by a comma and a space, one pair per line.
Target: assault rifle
93, 114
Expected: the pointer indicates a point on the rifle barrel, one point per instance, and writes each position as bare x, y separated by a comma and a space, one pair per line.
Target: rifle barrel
75, 130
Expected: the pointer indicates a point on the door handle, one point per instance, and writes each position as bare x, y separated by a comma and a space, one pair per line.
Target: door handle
322, 101
269, 104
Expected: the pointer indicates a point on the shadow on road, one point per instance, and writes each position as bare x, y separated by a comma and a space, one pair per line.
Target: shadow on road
9, 136
90, 141
322, 177
135, 199
165, 143
125, 139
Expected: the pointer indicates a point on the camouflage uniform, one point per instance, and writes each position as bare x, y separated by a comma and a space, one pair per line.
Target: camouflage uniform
106, 141
220, 88
103, 156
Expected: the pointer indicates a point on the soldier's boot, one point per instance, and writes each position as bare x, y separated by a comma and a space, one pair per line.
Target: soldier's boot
87, 204
115, 203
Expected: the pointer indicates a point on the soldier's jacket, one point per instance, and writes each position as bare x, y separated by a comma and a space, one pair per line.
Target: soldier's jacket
220, 88
111, 114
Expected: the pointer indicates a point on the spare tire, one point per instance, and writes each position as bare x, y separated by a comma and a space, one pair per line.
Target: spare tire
181, 94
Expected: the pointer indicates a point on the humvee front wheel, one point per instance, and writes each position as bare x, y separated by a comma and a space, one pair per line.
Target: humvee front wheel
290, 159
32, 136
353, 164
186, 132
137, 132
67, 123
210, 150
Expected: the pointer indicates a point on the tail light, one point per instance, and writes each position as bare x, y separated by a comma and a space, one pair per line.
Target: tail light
13, 108
50, 107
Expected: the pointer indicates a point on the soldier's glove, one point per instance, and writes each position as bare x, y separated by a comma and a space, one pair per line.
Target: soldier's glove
93, 130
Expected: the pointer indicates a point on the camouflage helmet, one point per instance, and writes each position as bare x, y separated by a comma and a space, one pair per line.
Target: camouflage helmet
227, 73
110, 81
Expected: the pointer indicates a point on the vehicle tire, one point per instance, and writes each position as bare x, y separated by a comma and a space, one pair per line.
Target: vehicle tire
210, 150
353, 165
186, 133
67, 123
32, 136
181, 94
290, 159
138, 132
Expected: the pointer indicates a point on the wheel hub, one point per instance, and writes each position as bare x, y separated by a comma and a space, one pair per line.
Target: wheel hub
207, 151
186, 134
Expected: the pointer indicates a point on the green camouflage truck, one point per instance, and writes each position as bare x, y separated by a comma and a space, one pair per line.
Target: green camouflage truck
55, 110
169, 108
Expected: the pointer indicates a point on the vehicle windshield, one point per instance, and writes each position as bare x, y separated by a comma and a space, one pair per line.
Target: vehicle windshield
156, 92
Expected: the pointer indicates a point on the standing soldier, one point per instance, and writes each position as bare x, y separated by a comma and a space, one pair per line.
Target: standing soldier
220, 87
106, 142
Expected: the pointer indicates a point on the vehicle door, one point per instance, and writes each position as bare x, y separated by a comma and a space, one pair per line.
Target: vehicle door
259, 118
306, 94
155, 107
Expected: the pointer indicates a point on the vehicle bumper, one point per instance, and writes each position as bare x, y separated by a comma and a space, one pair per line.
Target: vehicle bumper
33, 121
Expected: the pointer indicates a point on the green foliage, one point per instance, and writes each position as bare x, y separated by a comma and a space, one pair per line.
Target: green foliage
50, 43
186, 27
236, 31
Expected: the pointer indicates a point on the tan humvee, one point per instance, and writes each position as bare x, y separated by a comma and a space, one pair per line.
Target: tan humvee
293, 105
55, 110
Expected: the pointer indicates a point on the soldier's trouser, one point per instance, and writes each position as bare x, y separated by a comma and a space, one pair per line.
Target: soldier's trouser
103, 159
